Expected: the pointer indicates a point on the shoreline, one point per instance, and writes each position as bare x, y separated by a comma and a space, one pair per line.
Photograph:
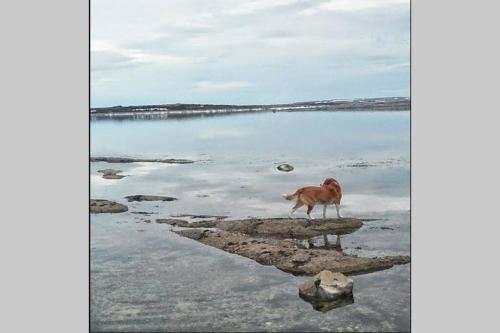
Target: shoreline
393, 104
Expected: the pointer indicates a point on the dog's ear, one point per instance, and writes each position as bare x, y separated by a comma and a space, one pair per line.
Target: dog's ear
328, 181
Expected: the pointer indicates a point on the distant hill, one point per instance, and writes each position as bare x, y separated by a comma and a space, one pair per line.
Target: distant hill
186, 110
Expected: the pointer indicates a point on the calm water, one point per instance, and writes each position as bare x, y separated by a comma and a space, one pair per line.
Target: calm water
144, 277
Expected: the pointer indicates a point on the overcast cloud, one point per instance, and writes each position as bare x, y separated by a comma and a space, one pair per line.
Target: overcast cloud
247, 52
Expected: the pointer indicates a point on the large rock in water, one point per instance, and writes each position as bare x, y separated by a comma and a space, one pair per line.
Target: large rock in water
326, 286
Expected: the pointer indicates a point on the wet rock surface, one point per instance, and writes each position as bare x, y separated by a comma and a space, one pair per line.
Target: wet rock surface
141, 197
111, 174
106, 206
285, 167
282, 227
287, 255
133, 160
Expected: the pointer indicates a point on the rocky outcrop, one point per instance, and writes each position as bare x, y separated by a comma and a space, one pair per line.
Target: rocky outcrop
327, 290
285, 167
111, 174
289, 256
132, 160
281, 227
141, 197
106, 206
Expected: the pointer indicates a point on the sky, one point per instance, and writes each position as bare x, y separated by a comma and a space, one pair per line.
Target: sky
247, 52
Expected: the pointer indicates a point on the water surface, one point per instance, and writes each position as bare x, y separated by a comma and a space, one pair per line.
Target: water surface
144, 277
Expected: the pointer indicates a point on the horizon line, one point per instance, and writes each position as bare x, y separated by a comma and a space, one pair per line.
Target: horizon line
310, 101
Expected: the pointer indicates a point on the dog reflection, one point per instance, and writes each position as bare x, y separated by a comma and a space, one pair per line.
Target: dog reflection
326, 244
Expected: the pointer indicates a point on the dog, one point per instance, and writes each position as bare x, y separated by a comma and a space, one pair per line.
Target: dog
327, 194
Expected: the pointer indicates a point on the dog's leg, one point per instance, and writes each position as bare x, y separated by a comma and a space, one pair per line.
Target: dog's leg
309, 208
337, 206
294, 208
324, 211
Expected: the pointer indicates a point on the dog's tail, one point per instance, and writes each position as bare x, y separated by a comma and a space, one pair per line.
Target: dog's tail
291, 196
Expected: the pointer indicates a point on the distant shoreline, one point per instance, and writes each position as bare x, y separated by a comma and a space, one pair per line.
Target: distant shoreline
194, 110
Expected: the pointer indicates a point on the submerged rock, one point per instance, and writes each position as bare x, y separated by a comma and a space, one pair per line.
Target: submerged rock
113, 176
326, 286
202, 216
285, 167
106, 206
141, 197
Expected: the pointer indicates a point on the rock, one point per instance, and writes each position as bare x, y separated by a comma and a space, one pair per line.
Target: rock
287, 255
285, 227
285, 167
111, 174
141, 197
109, 171
143, 213
106, 206
195, 234
326, 286
201, 216
301, 258
174, 222
133, 160
360, 165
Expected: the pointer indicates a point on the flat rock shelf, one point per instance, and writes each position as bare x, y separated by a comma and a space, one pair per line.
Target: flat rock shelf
277, 227
266, 241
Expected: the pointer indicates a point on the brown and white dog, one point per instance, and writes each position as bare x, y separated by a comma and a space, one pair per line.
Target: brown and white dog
327, 194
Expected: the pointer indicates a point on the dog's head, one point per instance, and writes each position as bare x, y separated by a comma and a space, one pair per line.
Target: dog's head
328, 181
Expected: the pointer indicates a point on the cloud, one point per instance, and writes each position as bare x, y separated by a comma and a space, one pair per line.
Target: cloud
352, 5
221, 86
195, 51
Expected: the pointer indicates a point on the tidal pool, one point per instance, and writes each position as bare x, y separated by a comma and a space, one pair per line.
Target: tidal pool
146, 278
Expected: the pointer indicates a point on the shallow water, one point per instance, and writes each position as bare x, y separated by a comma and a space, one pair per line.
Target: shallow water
144, 277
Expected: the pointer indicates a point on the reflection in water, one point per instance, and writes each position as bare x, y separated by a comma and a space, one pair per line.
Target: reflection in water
325, 306
312, 243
